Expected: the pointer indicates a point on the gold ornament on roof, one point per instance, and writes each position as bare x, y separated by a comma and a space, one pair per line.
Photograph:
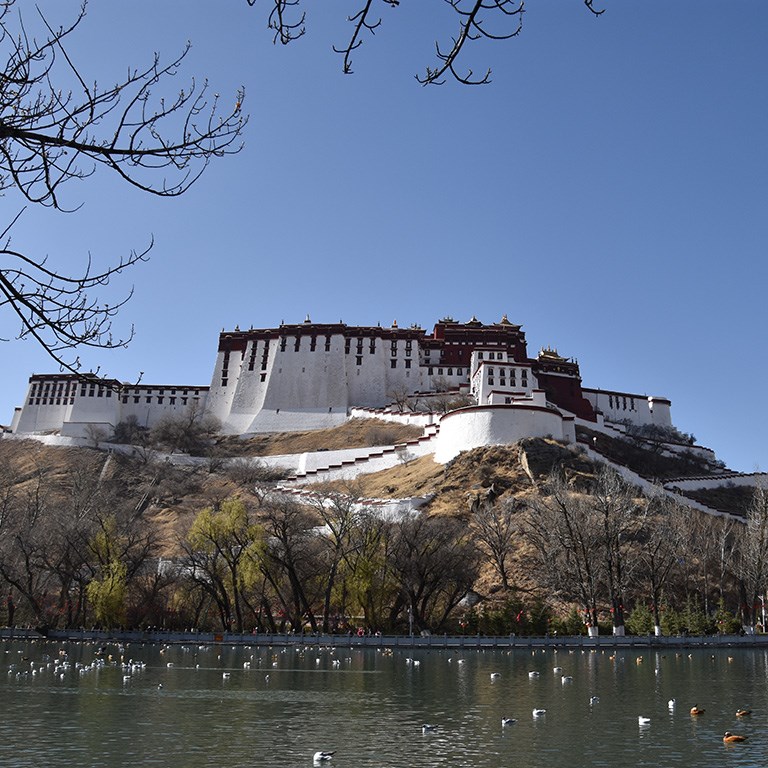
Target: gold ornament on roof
550, 353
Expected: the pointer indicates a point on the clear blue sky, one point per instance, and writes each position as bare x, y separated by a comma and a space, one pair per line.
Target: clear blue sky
608, 191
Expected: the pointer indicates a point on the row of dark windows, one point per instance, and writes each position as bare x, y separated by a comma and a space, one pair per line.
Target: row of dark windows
312, 343
52, 401
160, 399
620, 403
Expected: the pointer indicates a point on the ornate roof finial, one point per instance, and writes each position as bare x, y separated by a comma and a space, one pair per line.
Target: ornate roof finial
306, 319
505, 319
394, 323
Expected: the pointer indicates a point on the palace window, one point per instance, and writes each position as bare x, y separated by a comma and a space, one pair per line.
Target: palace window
430, 371
159, 399
407, 363
297, 344
393, 363
347, 345
327, 343
312, 343
359, 360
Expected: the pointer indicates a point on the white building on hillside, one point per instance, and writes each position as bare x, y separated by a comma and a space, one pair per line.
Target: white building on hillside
310, 376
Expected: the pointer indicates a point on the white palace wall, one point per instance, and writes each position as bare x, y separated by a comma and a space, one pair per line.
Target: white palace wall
296, 387
312, 376
639, 409
476, 426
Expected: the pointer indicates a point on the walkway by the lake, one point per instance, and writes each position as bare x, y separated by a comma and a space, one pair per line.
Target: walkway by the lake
448, 642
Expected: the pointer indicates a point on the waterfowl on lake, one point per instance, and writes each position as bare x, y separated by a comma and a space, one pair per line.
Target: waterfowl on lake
743, 712
428, 728
507, 721
566, 679
533, 674
539, 712
671, 705
732, 738
321, 757
594, 700
643, 720
695, 711
495, 675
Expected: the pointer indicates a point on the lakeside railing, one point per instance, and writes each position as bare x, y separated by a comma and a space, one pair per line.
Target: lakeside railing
426, 642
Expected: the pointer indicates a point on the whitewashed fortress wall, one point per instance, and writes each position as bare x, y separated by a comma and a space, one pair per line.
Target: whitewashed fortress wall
309, 376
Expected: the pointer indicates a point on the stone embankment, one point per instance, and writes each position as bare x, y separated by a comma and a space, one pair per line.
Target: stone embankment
427, 642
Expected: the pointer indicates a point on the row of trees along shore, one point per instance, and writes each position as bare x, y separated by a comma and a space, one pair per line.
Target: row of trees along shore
91, 545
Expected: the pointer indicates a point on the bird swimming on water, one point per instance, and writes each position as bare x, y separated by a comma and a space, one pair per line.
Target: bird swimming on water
321, 757
732, 738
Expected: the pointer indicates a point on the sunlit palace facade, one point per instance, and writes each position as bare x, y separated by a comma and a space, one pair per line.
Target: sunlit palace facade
311, 375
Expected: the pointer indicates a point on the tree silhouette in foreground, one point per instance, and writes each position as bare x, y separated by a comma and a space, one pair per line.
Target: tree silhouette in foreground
58, 125
494, 20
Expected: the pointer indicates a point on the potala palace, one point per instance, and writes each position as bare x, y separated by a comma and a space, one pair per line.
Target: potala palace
313, 376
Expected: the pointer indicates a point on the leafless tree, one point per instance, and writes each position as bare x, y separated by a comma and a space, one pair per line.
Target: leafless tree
661, 544
400, 396
564, 533
435, 564
494, 20
616, 510
189, 431
58, 125
340, 513
751, 561
290, 562
497, 528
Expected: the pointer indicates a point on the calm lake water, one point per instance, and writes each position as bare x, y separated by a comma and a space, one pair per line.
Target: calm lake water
369, 706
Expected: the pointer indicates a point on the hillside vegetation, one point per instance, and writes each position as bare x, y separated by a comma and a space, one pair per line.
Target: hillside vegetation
82, 532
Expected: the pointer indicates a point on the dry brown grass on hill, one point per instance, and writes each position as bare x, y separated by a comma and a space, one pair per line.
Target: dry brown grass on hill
355, 433
509, 469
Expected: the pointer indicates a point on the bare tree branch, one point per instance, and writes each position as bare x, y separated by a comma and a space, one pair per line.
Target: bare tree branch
55, 127
60, 311
471, 28
362, 23
160, 146
473, 14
